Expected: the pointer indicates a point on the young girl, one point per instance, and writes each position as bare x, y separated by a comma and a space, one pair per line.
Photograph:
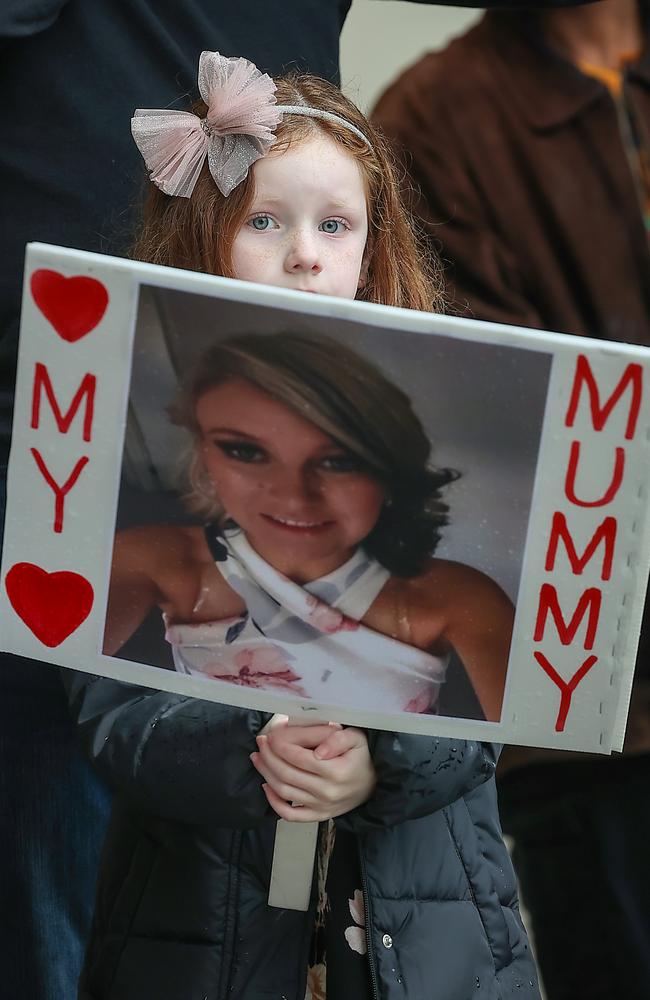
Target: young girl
415, 895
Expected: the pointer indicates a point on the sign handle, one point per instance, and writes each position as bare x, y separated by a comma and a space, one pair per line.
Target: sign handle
293, 865
294, 856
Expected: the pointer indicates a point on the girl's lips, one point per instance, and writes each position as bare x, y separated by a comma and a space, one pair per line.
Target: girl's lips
296, 526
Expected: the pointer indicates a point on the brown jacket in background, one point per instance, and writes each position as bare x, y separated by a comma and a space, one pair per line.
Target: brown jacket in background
525, 185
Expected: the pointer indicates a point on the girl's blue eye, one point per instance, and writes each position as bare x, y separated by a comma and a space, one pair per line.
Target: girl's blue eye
261, 223
332, 226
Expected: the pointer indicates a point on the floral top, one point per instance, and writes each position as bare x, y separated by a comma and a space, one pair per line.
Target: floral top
338, 964
306, 641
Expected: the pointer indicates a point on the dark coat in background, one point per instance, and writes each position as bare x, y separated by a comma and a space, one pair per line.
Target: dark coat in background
72, 72
181, 906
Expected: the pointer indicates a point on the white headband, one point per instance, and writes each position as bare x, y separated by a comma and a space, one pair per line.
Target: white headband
328, 116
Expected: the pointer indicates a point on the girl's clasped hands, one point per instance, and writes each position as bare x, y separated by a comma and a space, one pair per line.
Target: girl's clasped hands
313, 773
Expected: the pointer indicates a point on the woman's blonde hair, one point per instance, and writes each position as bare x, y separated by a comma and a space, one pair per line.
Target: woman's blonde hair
197, 233
352, 401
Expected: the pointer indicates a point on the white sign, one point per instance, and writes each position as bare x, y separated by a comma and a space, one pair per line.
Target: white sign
326, 442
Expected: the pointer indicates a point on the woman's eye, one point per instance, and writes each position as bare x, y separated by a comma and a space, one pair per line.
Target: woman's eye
333, 227
240, 451
261, 223
341, 463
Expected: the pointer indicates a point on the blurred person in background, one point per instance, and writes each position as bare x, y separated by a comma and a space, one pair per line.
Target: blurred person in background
527, 143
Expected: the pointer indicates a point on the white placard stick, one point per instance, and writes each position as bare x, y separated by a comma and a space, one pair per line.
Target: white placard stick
294, 853
292, 871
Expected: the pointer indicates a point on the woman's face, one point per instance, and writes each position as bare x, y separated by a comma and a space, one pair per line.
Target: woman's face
303, 501
307, 226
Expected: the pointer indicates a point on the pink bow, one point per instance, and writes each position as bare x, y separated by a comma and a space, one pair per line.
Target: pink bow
237, 130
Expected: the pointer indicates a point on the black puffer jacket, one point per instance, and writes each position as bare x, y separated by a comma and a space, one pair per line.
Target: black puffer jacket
181, 908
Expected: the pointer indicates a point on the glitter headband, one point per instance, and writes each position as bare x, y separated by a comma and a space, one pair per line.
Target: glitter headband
238, 129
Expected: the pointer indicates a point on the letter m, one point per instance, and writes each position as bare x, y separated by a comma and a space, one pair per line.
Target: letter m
633, 375
86, 389
589, 601
605, 533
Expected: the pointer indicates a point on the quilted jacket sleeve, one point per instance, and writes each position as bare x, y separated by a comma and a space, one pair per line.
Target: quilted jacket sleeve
417, 775
175, 757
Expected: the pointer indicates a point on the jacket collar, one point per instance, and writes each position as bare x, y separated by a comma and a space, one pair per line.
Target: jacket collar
549, 90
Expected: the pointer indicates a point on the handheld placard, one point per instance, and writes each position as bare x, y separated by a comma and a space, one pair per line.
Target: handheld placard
474, 482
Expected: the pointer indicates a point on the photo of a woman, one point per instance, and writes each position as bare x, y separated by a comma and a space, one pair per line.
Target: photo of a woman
314, 574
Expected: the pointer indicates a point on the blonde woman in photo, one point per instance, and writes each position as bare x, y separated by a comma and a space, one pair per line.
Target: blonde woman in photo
315, 576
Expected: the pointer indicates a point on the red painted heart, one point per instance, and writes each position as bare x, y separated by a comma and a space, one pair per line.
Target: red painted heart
52, 605
74, 306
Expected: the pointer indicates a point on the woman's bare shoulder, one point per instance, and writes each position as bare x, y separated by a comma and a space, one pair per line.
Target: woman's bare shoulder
444, 580
150, 532
157, 544
448, 595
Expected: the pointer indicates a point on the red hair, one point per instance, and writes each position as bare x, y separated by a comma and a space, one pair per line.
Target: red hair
197, 233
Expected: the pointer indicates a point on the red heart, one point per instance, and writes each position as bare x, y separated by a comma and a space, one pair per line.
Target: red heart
74, 306
52, 605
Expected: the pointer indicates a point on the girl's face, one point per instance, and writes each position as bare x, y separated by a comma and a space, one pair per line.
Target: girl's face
303, 502
308, 225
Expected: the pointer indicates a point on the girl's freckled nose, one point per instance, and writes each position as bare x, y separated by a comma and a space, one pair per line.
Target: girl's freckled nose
303, 255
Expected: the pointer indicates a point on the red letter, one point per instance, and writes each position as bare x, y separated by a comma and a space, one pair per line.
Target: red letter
599, 414
604, 532
612, 489
566, 689
59, 491
548, 601
87, 389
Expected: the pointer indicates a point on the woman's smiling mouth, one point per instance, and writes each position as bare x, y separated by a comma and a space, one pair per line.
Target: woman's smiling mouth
292, 524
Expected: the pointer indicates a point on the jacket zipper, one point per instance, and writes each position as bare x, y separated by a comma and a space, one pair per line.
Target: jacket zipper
366, 910
230, 928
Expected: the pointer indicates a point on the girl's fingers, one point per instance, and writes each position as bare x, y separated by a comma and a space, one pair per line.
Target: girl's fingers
304, 784
293, 813
339, 742
289, 782
304, 736
293, 754
289, 793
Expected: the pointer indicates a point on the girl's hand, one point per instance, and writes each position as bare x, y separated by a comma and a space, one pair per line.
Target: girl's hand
314, 773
